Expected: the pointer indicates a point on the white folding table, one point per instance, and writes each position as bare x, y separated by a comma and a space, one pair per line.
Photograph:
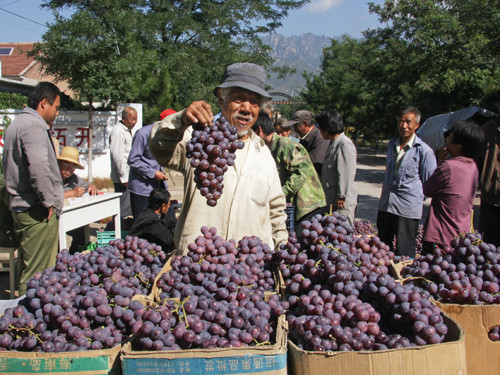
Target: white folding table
88, 210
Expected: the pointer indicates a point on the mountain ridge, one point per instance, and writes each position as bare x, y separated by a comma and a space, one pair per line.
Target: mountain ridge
302, 52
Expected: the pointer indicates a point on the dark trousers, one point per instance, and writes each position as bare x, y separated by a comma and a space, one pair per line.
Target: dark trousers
405, 230
489, 223
138, 204
125, 209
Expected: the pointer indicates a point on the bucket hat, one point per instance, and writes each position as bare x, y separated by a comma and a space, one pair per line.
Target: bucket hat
246, 75
72, 155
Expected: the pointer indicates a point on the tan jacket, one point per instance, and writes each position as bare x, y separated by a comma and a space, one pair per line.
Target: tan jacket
251, 204
29, 163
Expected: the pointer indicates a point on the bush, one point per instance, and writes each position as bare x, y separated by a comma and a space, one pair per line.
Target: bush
103, 183
11, 100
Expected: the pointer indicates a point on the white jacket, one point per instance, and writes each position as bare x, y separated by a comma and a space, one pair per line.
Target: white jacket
253, 204
120, 143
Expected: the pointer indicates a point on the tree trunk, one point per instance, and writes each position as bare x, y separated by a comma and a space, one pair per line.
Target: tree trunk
91, 139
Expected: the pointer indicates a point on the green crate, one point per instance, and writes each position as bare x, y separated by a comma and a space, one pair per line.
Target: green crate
103, 238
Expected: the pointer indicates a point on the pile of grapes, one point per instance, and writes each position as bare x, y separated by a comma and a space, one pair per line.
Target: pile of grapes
365, 228
212, 150
467, 272
341, 296
216, 296
83, 302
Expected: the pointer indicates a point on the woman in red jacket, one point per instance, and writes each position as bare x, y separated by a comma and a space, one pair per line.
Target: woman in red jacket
452, 186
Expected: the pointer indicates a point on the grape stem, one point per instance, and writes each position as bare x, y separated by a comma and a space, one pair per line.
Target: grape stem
23, 329
402, 281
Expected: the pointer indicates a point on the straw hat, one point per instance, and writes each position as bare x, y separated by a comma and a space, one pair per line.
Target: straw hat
72, 155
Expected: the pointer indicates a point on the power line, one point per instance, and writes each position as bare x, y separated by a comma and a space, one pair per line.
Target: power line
27, 19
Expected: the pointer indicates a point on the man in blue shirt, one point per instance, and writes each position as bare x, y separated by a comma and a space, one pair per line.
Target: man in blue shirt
409, 163
145, 172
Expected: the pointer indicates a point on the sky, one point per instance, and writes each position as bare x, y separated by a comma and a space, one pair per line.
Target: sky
24, 20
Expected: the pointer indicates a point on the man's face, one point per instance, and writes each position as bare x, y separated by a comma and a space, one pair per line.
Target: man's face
284, 132
300, 128
49, 111
241, 108
131, 120
66, 168
407, 125
164, 208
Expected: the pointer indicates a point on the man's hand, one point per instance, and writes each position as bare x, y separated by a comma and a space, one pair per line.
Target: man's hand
51, 212
160, 176
198, 112
78, 192
442, 154
92, 189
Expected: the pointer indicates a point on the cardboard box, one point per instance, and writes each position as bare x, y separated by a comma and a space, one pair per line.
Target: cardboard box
482, 354
95, 362
263, 360
444, 358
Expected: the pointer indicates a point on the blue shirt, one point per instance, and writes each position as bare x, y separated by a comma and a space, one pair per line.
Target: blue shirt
143, 166
402, 192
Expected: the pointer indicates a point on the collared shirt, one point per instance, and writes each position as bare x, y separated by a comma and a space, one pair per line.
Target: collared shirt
402, 193
143, 166
401, 151
29, 163
252, 202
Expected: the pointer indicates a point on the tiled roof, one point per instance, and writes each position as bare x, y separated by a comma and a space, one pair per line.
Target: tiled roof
18, 61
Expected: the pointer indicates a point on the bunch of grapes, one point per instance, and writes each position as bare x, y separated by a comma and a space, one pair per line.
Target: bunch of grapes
494, 333
206, 322
467, 272
217, 268
406, 310
218, 295
341, 297
364, 228
83, 302
212, 150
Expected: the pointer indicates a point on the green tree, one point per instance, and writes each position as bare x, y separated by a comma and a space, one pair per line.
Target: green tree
96, 51
185, 45
441, 55
451, 49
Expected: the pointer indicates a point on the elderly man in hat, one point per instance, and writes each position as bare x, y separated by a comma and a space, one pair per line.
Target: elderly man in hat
253, 202
74, 186
310, 137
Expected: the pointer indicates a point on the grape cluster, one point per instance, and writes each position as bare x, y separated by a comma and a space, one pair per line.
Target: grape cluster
83, 302
341, 296
364, 228
218, 295
205, 322
494, 333
466, 272
212, 150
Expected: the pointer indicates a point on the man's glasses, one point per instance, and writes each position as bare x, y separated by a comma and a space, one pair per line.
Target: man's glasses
68, 166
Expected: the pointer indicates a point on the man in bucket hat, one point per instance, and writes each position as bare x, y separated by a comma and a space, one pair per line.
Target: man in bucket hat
252, 202
310, 137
